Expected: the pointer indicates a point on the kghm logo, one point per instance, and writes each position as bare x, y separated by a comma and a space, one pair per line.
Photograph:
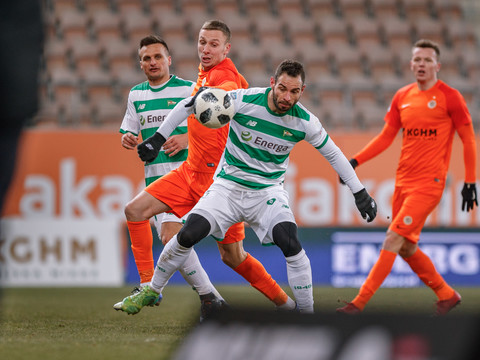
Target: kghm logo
421, 132
142, 120
246, 136
271, 201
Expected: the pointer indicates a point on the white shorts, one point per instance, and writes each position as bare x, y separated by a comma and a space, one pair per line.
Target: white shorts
224, 205
159, 219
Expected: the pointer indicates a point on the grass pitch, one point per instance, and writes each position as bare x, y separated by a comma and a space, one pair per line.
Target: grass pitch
80, 323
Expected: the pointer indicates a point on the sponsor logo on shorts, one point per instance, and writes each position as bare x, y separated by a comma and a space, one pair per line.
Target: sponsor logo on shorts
271, 201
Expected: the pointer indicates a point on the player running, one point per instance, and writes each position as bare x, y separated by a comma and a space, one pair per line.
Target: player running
429, 112
268, 122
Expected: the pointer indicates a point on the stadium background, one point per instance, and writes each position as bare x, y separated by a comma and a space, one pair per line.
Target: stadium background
62, 225
63, 222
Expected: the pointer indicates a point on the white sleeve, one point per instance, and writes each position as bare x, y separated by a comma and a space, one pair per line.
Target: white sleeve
175, 117
130, 121
342, 166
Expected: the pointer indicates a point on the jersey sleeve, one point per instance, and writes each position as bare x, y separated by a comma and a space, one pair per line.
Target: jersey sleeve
340, 163
457, 109
393, 114
467, 136
175, 117
377, 145
130, 121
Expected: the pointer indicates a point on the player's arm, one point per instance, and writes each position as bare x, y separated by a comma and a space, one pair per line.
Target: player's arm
377, 145
149, 149
469, 191
365, 203
129, 141
130, 126
175, 144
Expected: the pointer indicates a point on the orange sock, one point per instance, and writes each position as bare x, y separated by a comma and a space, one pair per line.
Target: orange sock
142, 242
375, 278
254, 272
424, 268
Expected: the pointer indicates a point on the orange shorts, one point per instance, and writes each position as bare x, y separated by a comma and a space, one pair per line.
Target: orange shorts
410, 209
181, 189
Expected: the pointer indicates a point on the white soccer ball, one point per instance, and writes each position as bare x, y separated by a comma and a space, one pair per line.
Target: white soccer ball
213, 108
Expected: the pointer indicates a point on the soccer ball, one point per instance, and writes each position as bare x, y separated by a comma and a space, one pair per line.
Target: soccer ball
213, 107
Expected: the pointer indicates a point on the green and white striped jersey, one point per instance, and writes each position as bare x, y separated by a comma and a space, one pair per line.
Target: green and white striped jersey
147, 108
260, 141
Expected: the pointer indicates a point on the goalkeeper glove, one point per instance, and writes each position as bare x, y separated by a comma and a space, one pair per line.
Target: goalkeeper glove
354, 164
366, 205
149, 149
192, 100
469, 196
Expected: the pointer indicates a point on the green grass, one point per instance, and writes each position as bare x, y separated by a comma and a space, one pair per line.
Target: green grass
80, 323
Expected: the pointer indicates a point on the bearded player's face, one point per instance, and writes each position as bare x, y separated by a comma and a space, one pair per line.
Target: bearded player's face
286, 92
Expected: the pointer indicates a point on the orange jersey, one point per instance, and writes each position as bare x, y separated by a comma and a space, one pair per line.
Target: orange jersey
205, 146
429, 120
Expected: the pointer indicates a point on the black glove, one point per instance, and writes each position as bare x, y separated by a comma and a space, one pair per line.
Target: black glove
149, 149
366, 205
469, 196
192, 100
354, 164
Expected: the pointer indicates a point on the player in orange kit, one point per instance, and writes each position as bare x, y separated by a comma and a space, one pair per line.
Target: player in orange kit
180, 190
428, 112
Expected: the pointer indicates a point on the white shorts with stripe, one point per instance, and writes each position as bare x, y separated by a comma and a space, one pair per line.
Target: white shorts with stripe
226, 203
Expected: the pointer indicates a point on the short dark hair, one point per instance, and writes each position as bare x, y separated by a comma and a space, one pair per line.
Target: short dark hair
293, 68
153, 39
218, 25
429, 44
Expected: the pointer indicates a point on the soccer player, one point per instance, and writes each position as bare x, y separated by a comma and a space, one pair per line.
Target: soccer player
268, 122
147, 106
429, 112
180, 189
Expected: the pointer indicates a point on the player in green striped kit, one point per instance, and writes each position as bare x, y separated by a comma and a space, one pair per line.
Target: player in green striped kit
148, 105
268, 122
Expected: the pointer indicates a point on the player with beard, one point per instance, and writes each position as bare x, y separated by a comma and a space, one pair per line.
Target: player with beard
267, 124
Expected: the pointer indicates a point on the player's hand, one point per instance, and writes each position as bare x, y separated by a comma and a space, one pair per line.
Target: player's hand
192, 100
149, 149
354, 164
366, 205
469, 196
129, 141
175, 144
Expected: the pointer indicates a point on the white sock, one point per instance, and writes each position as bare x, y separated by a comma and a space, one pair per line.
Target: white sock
299, 275
170, 260
194, 274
